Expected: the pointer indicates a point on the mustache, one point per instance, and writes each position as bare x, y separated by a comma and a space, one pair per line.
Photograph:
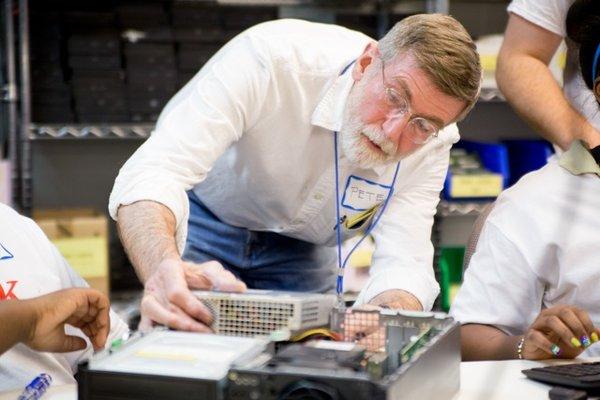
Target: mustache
377, 136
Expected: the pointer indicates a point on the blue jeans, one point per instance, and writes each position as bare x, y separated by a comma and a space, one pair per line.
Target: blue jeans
262, 260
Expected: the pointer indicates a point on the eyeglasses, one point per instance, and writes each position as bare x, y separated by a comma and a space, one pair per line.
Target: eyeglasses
420, 129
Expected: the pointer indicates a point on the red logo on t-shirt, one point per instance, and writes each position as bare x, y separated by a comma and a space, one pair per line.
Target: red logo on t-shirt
6, 290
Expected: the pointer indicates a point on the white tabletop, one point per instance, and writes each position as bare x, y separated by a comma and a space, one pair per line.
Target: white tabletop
496, 380
488, 380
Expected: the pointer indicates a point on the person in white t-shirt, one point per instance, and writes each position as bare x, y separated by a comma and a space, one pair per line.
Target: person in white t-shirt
534, 32
31, 266
531, 287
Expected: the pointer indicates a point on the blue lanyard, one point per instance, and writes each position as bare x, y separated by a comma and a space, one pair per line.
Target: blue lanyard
342, 265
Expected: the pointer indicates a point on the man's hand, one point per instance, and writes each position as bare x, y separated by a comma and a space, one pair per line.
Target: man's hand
397, 299
86, 309
560, 331
363, 326
168, 300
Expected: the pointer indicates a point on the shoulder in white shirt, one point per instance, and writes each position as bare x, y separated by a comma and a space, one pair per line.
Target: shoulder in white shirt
31, 266
548, 14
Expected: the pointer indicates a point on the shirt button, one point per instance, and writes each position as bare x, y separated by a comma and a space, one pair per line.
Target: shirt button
318, 196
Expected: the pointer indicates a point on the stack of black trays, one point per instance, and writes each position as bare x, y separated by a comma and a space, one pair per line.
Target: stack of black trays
200, 30
149, 53
51, 94
105, 62
199, 33
94, 58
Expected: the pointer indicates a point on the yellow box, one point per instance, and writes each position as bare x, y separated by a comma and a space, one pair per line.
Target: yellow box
480, 185
488, 61
81, 236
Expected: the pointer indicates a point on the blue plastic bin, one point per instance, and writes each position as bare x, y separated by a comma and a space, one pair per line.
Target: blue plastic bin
493, 156
525, 156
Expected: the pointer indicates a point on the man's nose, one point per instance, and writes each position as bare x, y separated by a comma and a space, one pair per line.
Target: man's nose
393, 127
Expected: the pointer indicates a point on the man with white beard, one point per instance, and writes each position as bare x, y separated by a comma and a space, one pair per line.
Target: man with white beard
292, 138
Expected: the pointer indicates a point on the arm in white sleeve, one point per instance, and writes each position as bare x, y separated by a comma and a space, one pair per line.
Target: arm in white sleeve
196, 127
404, 254
534, 32
500, 287
550, 15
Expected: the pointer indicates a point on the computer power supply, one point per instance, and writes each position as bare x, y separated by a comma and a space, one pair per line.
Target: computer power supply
262, 312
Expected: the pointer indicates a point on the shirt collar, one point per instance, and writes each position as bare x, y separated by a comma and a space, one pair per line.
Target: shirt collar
329, 113
578, 160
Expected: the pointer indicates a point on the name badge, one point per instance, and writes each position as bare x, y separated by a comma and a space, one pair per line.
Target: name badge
361, 194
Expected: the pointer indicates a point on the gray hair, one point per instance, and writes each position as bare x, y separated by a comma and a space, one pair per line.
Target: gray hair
443, 49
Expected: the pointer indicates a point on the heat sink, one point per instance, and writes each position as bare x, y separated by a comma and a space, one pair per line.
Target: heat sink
261, 312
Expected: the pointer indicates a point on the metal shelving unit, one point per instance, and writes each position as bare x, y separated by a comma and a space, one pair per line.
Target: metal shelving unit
25, 175
28, 131
461, 208
8, 94
131, 131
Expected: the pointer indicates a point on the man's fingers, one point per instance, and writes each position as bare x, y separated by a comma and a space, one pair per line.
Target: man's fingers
221, 278
145, 324
195, 276
173, 317
190, 304
197, 280
231, 286
212, 275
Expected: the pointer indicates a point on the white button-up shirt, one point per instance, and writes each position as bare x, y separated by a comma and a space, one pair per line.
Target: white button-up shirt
252, 135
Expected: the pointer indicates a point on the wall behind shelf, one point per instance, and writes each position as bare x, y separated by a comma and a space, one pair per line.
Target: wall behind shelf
493, 121
77, 173
81, 173
481, 17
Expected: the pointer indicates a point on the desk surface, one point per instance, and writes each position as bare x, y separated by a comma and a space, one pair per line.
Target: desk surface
489, 380
496, 380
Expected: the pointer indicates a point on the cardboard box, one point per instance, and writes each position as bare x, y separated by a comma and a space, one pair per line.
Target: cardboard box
81, 236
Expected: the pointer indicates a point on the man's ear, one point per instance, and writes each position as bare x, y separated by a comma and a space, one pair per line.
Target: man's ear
369, 54
597, 89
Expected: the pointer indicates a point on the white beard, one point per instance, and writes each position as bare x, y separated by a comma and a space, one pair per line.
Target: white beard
356, 147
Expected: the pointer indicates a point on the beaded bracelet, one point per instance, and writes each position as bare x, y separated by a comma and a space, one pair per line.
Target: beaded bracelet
520, 348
